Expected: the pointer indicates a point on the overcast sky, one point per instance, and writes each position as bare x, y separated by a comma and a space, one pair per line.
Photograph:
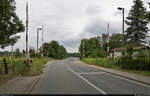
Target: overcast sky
66, 20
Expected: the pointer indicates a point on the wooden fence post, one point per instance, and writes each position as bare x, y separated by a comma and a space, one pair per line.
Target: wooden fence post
6, 66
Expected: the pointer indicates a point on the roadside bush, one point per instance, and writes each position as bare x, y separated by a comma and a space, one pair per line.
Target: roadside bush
127, 62
116, 61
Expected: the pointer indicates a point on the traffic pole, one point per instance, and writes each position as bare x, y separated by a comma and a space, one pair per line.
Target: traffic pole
108, 47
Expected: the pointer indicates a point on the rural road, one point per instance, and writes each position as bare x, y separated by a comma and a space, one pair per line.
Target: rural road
66, 77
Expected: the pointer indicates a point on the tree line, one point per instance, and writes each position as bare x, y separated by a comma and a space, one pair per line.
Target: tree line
54, 50
97, 46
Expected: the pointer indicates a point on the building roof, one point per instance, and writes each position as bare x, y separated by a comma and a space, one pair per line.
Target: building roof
135, 48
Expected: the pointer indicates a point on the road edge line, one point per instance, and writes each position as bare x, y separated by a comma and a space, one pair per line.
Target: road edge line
123, 77
86, 80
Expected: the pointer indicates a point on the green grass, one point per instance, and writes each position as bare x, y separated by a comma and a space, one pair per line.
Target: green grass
16, 66
104, 62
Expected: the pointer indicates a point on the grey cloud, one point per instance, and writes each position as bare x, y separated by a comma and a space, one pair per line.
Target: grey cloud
98, 27
66, 20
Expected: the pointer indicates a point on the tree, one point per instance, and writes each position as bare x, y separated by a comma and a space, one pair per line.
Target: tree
92, 48
33, 53
148, 14
130, 50
54, 50
17, 53
137, 30
9, 22
116, 40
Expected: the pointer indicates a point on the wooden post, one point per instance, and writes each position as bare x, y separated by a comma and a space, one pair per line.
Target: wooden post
14, 65
6, 66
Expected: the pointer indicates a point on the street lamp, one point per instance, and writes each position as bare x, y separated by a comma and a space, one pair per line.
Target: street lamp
38, 29
120, 8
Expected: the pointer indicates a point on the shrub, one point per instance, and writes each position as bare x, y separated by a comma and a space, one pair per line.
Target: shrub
127, 62
129, 50
117, 61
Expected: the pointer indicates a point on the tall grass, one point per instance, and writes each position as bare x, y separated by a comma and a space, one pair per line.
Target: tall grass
17, 66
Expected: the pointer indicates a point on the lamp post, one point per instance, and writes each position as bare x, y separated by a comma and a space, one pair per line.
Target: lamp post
120, 8
38, 29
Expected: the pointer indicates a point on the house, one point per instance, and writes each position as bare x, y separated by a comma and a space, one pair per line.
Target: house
118, 51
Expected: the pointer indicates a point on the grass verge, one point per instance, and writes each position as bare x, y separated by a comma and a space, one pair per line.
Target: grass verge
16, 66
104, 62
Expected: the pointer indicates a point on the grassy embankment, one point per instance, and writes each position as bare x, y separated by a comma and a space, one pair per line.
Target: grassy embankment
16, 66
104, 62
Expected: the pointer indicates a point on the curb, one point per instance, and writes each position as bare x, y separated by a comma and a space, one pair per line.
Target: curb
97, 67
30, 89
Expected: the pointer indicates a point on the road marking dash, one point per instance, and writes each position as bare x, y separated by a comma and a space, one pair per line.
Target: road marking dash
91, 73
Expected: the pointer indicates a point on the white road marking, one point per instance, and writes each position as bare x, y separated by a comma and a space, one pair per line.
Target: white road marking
86, 80
91, 73
132, 81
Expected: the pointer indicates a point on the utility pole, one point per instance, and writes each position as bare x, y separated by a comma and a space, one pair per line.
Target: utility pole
108, 51
37, 39
83, 47
42, 55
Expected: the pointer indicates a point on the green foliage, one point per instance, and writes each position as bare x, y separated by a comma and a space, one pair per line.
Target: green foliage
92, 48
129, 50
116, 41
4, 53
18, 53
54, 50
137, 30
142, 53
97, 46
73, 54
127, 62
9, 22
116, 61
33, 53
103, 62
16, 66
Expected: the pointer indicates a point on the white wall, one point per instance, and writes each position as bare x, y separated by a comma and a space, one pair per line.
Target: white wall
116, 54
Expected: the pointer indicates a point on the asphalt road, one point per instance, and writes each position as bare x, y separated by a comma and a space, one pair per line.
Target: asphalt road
65, 77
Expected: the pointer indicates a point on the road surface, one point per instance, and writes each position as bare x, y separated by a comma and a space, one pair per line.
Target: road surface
66, 77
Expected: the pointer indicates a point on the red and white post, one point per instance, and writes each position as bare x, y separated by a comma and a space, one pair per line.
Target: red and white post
27, 30
108, 47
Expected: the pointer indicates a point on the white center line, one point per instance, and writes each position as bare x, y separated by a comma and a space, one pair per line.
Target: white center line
91, 73
86, 80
